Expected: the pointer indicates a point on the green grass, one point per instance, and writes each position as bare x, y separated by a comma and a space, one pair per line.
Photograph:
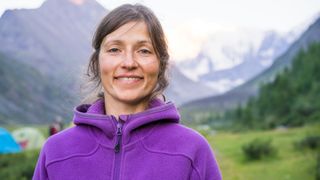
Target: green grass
18, 166
288, 163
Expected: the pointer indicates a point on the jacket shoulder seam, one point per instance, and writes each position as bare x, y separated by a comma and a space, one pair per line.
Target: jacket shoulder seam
172, 154
72, 156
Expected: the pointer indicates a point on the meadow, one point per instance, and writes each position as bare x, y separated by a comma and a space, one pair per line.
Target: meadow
289, 161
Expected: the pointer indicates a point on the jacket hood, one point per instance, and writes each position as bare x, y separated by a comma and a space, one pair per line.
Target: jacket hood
94, 115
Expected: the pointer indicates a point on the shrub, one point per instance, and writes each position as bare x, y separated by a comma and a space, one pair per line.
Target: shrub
318, 167
309, 142
18, 166
258, 149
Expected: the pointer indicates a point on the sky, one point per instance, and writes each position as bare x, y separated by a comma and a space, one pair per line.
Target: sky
204, 16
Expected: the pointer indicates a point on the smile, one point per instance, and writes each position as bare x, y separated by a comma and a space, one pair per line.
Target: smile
128, 79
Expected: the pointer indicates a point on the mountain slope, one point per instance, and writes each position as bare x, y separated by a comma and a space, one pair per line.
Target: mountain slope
230, 58
54, 38
182, 89
28, 96
290, 100
242, 93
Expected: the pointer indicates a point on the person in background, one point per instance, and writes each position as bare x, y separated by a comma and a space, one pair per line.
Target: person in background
56, 126
127, 132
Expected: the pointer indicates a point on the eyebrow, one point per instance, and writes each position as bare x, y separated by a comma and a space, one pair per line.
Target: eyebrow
112, 42
116, 41
145, 42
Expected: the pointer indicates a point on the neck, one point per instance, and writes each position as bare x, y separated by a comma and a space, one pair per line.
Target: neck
116, 108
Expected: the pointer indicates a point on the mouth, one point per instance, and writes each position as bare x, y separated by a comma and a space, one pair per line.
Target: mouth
128, 78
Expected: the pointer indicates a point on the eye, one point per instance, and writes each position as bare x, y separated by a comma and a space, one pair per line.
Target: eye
113, 50
144, 51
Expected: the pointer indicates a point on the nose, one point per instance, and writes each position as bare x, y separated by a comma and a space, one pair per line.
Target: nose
129, 61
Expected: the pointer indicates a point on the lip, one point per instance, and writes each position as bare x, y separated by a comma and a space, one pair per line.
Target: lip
128, 76
128, 80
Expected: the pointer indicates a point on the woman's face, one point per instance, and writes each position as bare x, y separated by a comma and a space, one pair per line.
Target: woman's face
128, 64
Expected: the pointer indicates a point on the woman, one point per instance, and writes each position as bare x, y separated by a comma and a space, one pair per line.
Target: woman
128, 133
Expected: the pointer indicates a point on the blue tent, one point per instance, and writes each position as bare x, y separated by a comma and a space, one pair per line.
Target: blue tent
7, 143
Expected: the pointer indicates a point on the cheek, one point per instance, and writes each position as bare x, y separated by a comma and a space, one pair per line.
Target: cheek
105, 75
153, 71
106, 66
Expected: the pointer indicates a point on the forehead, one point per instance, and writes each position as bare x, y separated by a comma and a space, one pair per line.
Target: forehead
134, 30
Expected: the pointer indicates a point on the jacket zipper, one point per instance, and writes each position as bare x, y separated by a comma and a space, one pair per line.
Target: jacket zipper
117, 150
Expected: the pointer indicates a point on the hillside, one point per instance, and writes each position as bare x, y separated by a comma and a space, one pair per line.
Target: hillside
182, 89
29, 96
54, 38
240, 95
292, 99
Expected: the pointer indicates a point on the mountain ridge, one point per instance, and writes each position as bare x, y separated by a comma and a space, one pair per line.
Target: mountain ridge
228, 59
241, 94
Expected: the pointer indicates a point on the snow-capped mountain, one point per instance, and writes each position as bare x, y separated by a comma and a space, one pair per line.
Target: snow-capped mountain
241, 94
230, 58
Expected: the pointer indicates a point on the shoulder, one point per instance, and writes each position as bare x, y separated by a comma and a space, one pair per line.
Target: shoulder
179, 132
177, 139
70, 142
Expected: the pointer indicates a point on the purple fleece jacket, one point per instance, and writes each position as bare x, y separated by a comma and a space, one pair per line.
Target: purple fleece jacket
150, 145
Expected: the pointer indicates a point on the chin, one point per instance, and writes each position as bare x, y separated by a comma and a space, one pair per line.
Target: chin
134, 99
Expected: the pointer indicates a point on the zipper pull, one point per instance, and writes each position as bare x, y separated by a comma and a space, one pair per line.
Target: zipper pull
119, 134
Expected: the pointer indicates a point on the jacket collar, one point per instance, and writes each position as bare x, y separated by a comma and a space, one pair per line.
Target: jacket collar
94, 115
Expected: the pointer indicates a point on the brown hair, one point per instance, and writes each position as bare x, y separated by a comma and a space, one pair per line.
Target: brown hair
114, 20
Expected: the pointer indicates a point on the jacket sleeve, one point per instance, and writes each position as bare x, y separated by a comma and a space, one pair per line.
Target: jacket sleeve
40, 172
205, 164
